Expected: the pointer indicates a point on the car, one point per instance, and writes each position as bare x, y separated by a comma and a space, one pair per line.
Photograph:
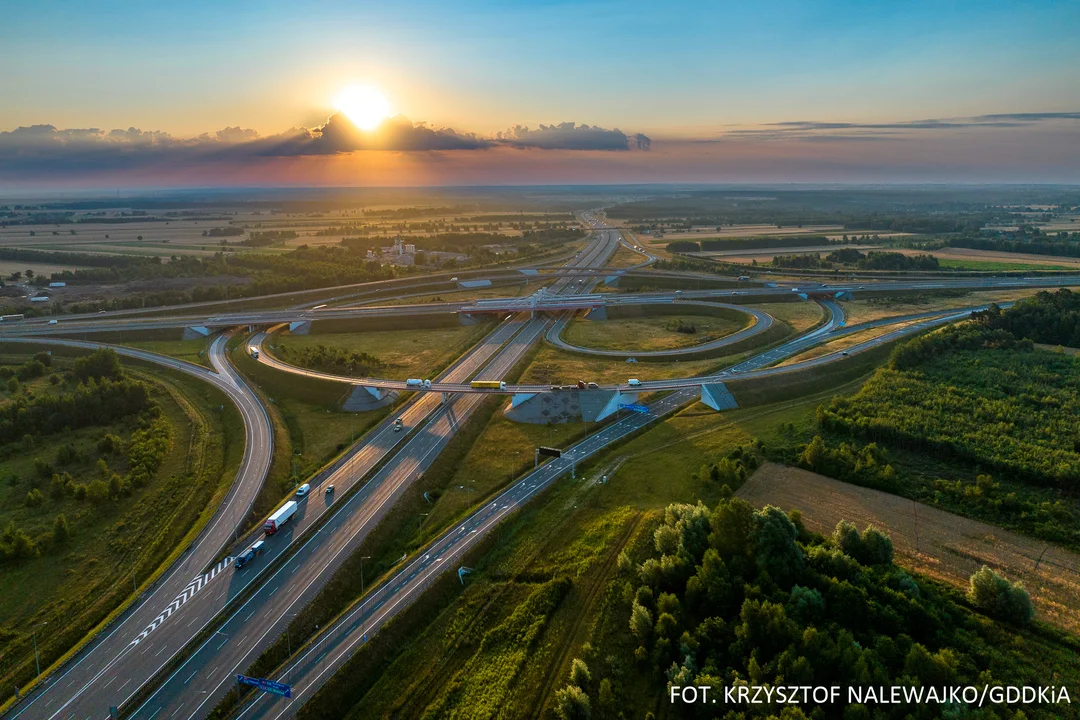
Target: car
845, 353
303, 490
594, 386
633, 382
453, 279
329, 490
101, 312
52, 322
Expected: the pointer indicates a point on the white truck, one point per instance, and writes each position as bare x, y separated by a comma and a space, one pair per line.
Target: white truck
254, 351
279, 518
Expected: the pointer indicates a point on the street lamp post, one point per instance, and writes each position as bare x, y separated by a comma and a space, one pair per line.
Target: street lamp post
37, 661
134, 587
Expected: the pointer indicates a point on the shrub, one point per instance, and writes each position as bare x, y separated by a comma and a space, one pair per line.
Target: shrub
97, 492
61, 531
34, 498
996, 596
571, 703
579, 673
15, 544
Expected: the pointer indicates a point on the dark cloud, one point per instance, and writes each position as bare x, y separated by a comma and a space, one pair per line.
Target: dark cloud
571, 136
47, 149
339, 135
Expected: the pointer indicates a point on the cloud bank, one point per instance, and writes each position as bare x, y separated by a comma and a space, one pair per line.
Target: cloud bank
47, 149
819, 131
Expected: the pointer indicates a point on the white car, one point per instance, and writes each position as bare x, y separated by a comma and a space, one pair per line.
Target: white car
303, 490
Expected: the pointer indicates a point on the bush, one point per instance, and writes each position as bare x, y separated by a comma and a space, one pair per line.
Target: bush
996, 596
97, 492
873, 547
34, 498
579, 673
61, 531
103, 363
571, 703
15, 544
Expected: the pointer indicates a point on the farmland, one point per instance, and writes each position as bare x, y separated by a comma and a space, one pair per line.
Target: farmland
928, 540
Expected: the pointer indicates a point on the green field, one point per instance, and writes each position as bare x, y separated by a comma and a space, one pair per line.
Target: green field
77, 579
194, 351
997, 265
800, 316
649, 333
406, 353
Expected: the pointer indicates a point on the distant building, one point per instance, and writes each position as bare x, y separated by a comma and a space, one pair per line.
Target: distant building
410, 249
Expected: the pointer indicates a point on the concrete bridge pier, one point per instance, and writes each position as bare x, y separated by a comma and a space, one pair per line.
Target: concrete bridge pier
365, 397
196, 332
718, 397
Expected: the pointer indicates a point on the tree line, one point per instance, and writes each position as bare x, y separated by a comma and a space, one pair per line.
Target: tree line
728, 595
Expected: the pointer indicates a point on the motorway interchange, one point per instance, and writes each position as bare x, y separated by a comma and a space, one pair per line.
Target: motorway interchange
176, 651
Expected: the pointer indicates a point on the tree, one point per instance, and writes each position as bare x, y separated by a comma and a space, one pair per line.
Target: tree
778, 553
29, 274
732, 522
605, 696
640, 621
103, 363
61, 531
579, 673
97, 492
33, 498
571, 703
813, 457
995, 595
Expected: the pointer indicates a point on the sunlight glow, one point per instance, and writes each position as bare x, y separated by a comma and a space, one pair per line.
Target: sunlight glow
364, 105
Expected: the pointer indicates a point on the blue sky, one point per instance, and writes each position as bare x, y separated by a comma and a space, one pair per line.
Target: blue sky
663, 67
673, 70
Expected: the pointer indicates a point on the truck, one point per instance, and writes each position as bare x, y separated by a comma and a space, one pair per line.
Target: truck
12, 318
254, 352
279, 518
488, 384
414, 382
248, 555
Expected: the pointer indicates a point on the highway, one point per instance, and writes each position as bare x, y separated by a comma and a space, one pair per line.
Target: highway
107, 323
116, 665
135, 648
206, 675
317, 662
75, 687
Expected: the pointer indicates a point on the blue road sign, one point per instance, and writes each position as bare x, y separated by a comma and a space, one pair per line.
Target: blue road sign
635, 408
265, 685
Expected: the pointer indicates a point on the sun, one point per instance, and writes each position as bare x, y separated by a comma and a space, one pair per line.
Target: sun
364, 105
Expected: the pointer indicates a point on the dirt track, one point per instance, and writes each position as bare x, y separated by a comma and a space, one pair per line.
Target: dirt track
933, 542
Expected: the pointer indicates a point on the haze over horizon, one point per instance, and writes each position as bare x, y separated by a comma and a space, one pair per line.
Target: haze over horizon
429, 94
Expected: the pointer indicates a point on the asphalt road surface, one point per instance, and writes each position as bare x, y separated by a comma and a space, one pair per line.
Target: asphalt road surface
335, 645
93, 678
206, 675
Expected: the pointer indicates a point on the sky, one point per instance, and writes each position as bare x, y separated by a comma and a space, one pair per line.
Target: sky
486, 92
